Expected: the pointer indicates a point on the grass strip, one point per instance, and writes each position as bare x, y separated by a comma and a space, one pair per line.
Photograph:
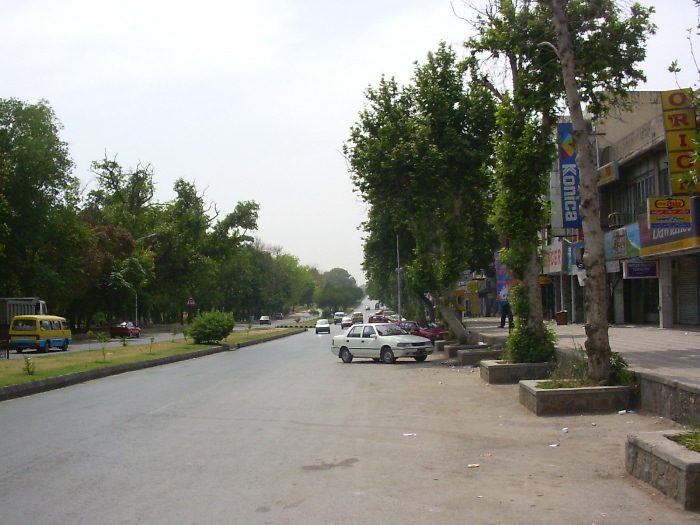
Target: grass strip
32, 368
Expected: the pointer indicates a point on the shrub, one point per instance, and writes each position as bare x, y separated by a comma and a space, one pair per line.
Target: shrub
211, 327
524, 343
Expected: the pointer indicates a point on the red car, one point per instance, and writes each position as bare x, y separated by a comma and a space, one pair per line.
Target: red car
126, 329
424, 329
378, 318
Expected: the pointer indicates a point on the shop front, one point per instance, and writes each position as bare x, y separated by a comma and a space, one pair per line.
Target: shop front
676, 247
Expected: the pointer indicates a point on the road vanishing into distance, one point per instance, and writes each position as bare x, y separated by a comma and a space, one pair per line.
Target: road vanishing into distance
283, 432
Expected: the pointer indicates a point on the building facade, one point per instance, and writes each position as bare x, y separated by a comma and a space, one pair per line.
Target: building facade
652, 223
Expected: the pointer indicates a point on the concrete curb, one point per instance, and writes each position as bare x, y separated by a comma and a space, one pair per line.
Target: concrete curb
44, 385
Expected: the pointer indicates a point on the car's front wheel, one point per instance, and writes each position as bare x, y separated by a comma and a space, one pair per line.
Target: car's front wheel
388, 356
345, 355
420, 358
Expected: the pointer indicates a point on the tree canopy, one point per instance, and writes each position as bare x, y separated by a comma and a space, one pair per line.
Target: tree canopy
418, 155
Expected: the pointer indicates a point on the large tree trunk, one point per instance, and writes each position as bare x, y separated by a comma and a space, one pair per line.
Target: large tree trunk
534, 292
448, 311
596, 297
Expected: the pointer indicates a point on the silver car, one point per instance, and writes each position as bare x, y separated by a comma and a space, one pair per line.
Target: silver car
381, 342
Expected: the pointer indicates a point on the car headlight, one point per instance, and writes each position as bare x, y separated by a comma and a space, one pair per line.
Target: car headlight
402, 345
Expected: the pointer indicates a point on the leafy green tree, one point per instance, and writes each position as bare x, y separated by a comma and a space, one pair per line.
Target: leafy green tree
123, 197
539, 43
599, 49
40, 241
419, 154
338, 291
524, 150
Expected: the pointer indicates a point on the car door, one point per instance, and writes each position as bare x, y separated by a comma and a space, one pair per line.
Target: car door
370, 342
352, 340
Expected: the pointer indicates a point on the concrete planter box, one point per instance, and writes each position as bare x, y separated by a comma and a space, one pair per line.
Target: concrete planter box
666, 465
472, 356
570, 401
501, 373
440, 345
452, 347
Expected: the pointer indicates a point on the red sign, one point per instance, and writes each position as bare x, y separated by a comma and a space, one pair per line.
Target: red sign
190, 301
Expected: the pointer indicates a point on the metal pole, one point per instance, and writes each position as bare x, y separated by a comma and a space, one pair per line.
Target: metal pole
398, 273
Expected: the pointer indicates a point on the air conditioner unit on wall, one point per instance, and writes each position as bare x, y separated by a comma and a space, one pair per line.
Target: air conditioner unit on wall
615, 220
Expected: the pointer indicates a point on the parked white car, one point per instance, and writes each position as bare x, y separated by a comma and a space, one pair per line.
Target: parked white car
381, 342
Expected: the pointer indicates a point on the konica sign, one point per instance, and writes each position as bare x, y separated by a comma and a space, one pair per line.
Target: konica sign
569, 176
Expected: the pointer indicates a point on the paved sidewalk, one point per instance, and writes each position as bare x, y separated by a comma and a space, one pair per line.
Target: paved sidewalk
671, 352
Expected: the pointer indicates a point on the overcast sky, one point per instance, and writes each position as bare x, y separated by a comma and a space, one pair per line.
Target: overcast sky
248, 100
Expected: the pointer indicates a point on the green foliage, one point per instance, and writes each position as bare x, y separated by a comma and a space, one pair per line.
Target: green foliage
29, 366
526, 344
620, 373
690, 440
572, 372
417, 155
103, 338
211, 327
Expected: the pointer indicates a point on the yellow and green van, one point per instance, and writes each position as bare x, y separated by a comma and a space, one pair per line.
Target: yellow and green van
41, 332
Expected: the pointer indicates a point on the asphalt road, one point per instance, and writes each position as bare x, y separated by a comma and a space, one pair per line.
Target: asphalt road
285, 433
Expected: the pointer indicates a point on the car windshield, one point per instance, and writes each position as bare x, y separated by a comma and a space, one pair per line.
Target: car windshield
322, 321
424, 324
390, 329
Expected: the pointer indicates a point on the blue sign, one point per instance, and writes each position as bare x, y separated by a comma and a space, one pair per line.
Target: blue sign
569, 177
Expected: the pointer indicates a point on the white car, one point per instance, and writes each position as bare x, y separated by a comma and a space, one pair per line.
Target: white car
381, 342
322, 325
265, 319
346, 322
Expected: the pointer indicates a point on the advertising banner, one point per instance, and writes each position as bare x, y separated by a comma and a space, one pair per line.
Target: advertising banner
668, 240
554, 258
569, 176
622, 243
504, 280
669, 212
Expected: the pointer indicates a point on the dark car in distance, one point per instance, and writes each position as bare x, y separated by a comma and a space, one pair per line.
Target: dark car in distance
126, 329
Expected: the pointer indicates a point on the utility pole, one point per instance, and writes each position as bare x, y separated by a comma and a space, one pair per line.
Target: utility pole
398, 273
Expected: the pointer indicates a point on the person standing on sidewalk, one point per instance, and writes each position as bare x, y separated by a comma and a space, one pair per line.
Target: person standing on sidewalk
506, 312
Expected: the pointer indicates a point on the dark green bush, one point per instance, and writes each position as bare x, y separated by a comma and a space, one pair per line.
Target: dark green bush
524, 343
210, 327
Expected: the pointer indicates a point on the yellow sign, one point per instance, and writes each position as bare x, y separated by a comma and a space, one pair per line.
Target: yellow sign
473, 286
608, 173
669, 212
679, 122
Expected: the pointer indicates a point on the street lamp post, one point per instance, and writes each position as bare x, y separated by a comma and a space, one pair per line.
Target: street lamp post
136, 293
398, 274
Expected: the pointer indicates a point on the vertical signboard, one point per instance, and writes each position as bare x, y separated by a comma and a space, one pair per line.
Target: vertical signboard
569, 176
504, 280
679, 123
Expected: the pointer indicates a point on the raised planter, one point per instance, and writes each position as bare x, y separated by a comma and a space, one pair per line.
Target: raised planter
452, 347
569, 401
666, 465
496, 372
440, 345
474, 354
